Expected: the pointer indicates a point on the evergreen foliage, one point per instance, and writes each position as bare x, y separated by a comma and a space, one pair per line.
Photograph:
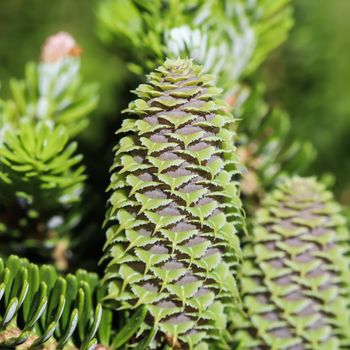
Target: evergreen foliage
53, 89
265, 146
41, 176
229, 38
38, 166
40, 307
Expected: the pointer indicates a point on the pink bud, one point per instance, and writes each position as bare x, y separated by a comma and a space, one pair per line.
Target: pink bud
231, 99
59, 46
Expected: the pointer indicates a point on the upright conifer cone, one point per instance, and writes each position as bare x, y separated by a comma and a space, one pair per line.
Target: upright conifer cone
295, 275
174, 206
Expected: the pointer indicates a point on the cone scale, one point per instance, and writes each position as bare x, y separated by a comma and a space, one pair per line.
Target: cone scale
173, 209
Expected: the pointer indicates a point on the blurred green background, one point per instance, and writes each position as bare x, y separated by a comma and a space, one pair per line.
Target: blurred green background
309, 76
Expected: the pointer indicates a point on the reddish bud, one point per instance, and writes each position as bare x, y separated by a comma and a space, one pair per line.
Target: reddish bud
59, 46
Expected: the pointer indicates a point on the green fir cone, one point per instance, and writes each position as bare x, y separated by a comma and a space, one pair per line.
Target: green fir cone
295, 275
174, 207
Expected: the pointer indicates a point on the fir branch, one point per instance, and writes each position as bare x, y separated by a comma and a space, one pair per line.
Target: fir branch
38, 165
53, 89
40, 308
229, 38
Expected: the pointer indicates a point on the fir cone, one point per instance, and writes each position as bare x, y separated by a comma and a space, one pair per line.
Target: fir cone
295, 275
174, 208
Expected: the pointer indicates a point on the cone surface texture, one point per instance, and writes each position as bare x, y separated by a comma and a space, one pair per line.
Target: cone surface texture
295, 275
174, 207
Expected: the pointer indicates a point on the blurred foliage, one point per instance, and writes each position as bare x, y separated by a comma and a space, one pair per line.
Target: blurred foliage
265, 146
23, 30
229, 38
310, 77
